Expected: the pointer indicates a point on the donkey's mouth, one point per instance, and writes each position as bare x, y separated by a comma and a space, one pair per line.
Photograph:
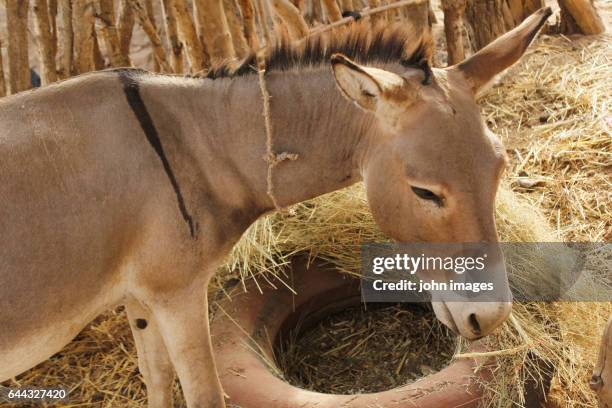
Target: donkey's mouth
445, 316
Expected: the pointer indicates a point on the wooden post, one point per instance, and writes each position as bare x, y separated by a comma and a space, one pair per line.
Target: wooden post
601, 381
142, 14
43, 38
53, 23
332, 10
292, 18
453, 29
98, 59
235, 24
262, 16
2, 80
376, 18
176, 48
66, 38
188, 36
125, 27
17, 27
213, 29
580, 17
248, 15
83, 25
487, 20
110, 35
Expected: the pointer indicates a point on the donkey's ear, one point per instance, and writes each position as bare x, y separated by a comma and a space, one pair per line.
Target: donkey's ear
363, 85
481, 68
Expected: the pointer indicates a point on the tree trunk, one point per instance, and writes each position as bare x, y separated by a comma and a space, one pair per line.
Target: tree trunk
17, 27
580, 17
189, 36
45, 46
291, 17
83, 25
453, 29
110, 35
235, 24
213, 29
66, 38
248, 15
140, 10
125, 27
169, 17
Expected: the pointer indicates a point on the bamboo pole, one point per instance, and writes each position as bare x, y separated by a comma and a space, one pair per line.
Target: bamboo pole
125, 27
83, 25
109, 33
453, 29
188, 36
213, 29
235, 25
292, 18
176, 48
248, 15
43, 39
139, 8
2, 80
17, 27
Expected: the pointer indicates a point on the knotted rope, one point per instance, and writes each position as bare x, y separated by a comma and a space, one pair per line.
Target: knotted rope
271, 157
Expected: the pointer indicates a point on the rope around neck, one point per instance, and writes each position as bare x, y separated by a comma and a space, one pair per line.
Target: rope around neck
272, 158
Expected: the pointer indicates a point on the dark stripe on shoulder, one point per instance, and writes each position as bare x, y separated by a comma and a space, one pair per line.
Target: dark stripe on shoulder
131, 88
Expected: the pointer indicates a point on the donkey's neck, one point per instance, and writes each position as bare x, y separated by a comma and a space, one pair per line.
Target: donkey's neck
312, 119
215, 136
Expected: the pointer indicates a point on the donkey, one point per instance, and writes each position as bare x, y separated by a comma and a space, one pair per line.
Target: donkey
129, 188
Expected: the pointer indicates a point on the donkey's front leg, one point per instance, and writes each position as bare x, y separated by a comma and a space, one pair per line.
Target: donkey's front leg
182, 317
153, 360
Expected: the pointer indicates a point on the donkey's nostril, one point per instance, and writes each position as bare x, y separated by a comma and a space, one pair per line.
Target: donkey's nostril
596, 383
474, 325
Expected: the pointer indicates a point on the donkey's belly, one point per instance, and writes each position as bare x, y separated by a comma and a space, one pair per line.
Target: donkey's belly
22, 347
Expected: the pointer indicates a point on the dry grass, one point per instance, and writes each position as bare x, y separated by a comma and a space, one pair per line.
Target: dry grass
552, 113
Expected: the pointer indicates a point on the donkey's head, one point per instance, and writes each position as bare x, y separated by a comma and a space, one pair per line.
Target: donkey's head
433, 168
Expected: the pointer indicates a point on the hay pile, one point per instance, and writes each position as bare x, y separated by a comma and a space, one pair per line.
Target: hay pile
551, 112
366, 349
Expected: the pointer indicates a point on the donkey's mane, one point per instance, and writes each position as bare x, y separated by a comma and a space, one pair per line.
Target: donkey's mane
382, 44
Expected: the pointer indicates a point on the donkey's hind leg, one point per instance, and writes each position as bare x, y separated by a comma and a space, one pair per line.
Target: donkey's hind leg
153, 360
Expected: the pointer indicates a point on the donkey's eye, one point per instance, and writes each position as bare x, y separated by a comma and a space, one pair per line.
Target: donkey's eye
427, 195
